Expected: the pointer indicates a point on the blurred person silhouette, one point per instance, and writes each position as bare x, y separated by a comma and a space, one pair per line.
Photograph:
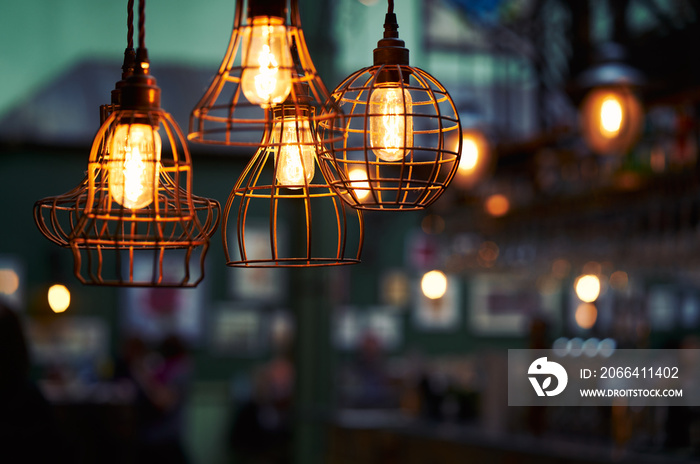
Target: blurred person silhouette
261, 427
162, 390
365, 381
28, 432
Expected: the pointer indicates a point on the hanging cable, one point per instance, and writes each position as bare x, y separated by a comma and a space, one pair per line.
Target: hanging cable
130, 25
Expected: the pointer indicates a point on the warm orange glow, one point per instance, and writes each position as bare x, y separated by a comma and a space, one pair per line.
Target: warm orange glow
586, 315
434, 284
358, 178
610, 116
587, 288
59, 298
611, 120
470, 154
9, 281
474, 158
497, 205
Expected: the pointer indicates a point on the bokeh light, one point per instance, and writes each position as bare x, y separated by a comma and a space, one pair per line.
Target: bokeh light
59, 298
586, 315
9, 281
587, 288
358, 178
434, 284
497, 205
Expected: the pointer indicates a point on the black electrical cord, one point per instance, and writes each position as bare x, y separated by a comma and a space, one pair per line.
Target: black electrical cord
391, 7
130, 25
141, 52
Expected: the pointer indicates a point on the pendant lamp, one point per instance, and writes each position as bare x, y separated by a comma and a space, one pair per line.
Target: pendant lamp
135, 204
611, 114
391, 150
267, 57
267, 84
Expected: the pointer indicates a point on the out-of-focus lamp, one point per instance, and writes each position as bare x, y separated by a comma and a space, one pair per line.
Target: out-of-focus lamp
434, 284
611, 114
475, 161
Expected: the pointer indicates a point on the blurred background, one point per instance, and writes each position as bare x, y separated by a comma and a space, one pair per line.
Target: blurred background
544, 239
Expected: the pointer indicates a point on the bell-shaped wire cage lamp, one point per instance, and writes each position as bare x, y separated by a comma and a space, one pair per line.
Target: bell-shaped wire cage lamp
266, 61
394, 149
135, 202
284, 180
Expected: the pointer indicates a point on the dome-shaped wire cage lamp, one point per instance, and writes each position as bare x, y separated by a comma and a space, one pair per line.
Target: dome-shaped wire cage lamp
135, 202
307, 224
393, 150
266, 61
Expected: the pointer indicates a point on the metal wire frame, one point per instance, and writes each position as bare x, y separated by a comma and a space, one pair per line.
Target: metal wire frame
224, 115
89, 222
325, 237
432, 158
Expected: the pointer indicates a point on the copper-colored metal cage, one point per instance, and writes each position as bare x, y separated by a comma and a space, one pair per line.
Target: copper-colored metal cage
328, 232
224, 115
115, 245
431, 158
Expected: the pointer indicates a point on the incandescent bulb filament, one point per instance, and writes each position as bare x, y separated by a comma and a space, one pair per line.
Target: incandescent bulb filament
610, 116
391, 123
295, 155
266, 77
134, 164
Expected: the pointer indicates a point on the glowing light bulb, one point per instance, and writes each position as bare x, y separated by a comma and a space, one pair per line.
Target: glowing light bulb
434, 284
358, 182
587, 288
134, 165
391, 123
59, 298
295, 157
610, 116
267, 61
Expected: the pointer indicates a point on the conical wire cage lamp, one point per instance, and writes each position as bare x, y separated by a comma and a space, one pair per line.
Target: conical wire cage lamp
135, 202
266, 60
393, 150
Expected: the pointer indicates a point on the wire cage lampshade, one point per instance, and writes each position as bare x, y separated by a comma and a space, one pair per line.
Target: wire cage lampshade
135, 202
392, 149
284, 180
266, 60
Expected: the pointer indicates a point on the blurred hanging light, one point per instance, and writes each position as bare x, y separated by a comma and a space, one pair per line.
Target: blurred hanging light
434, 284
611, 114
136, 196
397, 120
59, 298
587, 288
475, 160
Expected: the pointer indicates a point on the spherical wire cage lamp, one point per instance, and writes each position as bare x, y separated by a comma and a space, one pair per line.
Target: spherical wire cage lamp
267, 84
135, 203
392, 150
